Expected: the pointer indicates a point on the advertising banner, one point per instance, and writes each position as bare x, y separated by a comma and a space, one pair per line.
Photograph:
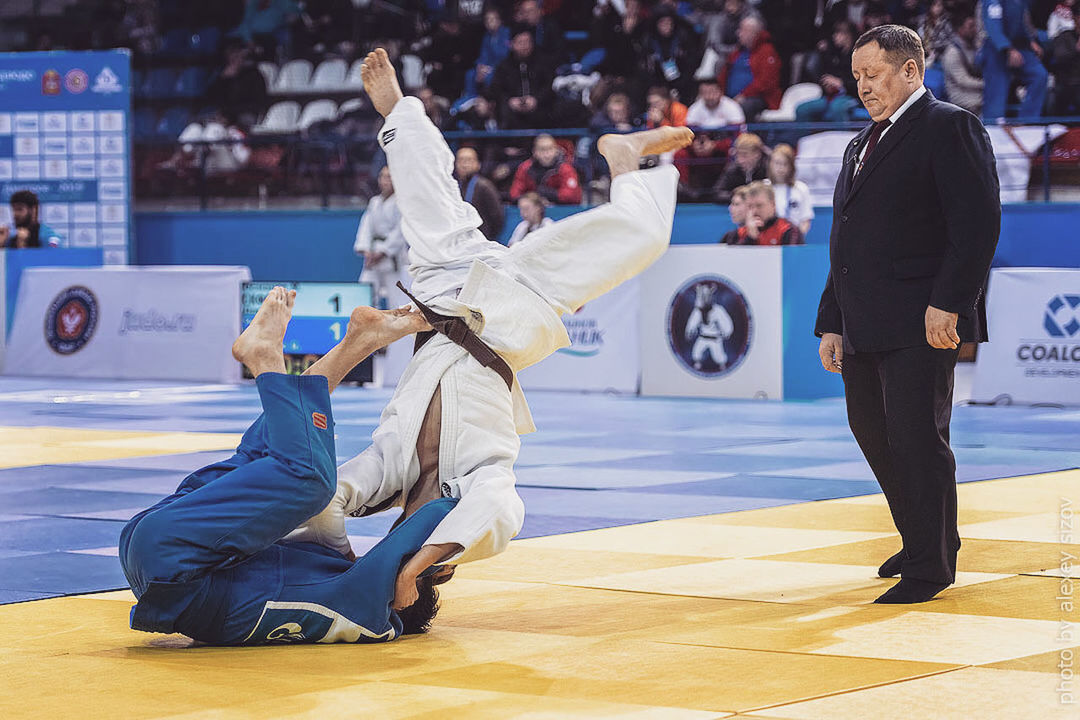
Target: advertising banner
604, 352
712, 323
164, 323
1034, 351
64, 135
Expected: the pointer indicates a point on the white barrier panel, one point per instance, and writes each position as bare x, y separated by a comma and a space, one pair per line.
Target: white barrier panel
819, 159
1034, 351
604, 353
712, 323
167, 323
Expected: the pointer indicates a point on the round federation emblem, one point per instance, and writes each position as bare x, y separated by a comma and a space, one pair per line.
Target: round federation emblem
71, 319
76, 81
709, 326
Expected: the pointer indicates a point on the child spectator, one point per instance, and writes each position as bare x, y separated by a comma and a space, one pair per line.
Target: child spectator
792, 197
532, 208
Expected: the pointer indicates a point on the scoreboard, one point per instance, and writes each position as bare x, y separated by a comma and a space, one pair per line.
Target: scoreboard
64, 135
320, 315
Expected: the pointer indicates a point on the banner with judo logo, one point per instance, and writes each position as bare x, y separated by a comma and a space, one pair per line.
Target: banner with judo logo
165, 323
603, 354
1034, 351
711, 323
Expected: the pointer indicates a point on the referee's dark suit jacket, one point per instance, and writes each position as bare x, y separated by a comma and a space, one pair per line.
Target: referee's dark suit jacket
917, 226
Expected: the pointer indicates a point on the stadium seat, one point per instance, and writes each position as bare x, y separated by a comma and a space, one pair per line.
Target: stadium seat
206, 41
793, 97
350, 106
160, 83
175, 43
173, 121
138, 83
294, 77
269, 72
329, 76
352, 80
280, 118
317, 111
191, 83
145, 123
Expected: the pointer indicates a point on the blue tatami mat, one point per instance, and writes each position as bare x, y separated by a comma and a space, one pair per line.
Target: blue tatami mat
597, 461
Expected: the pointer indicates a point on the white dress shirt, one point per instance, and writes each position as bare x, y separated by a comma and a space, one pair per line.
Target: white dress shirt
918, 93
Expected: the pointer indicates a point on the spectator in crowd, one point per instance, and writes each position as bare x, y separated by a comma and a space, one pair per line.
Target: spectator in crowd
380, 240
266, 24
963, 80
747, 166
751, 73
762, 226
480, 192
737, 211
876, 14
700, 166
712, 109
1065, 62
325, 26
548, 173
622, 36
910, 13
721, 28
522, 85
29, 231
476, 114
1010, 49
532, 208
832, 68
547, 36
436, 106
1061, 19
794, 28
449, 56
494, 47
663, 109
936, 31
140, 26
239, 89
672, 53
791, 196
854, 11
615, 115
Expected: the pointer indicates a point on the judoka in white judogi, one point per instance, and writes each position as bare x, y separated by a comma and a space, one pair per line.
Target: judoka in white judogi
380, 232
513, 299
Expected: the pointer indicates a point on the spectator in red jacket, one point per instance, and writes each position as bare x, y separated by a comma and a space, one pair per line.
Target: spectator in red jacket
751, 73
762, 226
700, 167
548, 174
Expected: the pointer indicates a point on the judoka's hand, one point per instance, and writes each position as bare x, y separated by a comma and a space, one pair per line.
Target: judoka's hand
405, 590
327, 528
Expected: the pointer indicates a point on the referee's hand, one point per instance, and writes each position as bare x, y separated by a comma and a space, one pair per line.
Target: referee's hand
941, 329
831, 352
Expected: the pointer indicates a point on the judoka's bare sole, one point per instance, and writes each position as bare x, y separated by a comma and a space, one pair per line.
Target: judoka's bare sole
380, 81
623, 152
261, 341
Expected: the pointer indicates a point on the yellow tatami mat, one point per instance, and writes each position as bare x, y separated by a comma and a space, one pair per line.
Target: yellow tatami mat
28, 446
757, 614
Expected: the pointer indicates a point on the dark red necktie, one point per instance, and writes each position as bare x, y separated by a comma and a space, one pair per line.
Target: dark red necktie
875, 135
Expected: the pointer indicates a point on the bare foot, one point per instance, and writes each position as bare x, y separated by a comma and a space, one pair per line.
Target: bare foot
259, 346
368, 326
623, 152
380, 81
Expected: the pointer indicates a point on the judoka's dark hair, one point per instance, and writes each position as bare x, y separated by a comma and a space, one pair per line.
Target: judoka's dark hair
416, 618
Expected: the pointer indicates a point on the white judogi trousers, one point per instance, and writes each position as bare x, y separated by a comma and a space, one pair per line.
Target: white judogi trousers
512, 298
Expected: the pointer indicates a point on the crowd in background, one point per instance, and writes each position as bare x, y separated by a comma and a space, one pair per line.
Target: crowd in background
610, 65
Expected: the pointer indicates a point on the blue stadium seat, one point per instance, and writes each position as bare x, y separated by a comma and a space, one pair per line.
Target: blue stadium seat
934, 80
176, 43
145, 123
160, 83
138, 81
191, 83
206, 41
173, 121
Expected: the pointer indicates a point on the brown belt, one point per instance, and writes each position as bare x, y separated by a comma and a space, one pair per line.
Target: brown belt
459, 333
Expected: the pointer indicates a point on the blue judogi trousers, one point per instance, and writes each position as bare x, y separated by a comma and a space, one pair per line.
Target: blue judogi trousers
208, 560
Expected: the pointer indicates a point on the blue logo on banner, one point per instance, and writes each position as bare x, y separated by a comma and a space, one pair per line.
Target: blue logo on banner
71, 320
709, 326
1061, 317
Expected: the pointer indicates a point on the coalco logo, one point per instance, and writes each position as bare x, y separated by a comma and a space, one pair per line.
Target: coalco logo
709, 326
1061, 322
71, 319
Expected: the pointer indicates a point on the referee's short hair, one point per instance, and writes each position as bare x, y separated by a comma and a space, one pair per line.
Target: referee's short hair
899, 43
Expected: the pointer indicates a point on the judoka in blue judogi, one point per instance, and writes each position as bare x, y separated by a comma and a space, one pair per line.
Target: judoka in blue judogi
1010, 46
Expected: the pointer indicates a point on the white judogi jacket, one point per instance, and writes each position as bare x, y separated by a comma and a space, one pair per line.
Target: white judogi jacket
513, 299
